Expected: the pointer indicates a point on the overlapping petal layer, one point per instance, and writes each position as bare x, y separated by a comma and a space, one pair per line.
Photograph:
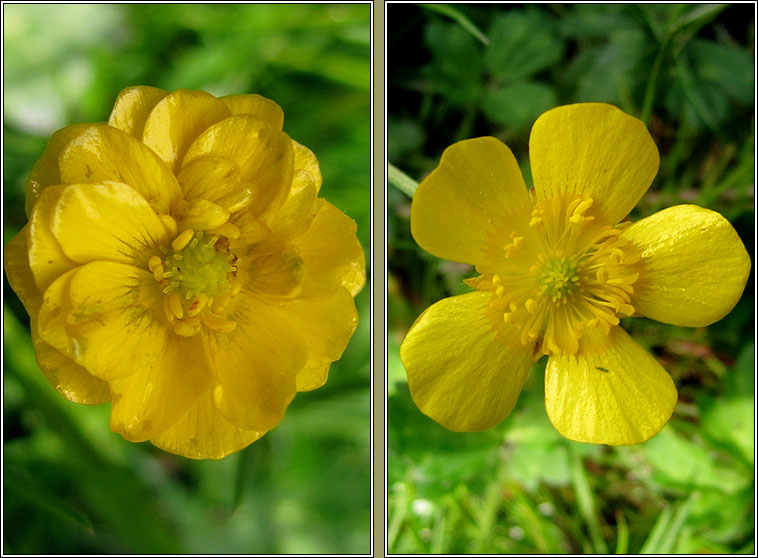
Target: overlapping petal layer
179, 262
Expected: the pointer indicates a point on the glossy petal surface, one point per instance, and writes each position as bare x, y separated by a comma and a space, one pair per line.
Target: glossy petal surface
255, 365
594, 150
133, 106
695, 266
46, 171
464, 370
263, 154
332, 255
109, 221
476, 188
204, 433
175, 122
617, 395
256, 105
102, 153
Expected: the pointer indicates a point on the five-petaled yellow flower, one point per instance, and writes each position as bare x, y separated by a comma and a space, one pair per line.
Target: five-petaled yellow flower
557, 270
179, 262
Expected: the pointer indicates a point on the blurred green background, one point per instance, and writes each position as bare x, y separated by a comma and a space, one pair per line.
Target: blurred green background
460, 71
72, 486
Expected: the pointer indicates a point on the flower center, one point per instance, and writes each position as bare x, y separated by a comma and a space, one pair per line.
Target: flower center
197, 276
564, 273
558, 278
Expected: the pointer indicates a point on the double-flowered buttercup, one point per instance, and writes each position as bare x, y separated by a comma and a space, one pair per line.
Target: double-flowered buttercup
558, 268
179, 262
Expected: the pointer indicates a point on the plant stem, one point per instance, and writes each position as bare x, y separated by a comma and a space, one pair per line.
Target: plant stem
401, 181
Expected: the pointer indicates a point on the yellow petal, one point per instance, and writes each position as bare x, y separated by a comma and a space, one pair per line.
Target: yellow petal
255, 365
177, 120
256, 105
46, 171
132, 107
476, 189
217, 180
160, 391
19, 274
102, 152
68, 378
270, 268
617, 395
203, 433
326, 325
202, 215
106, 221
695, 266
332, 256
263, 154
296, 215
596, 151
306, 160
47, 260
113, 318
465, 368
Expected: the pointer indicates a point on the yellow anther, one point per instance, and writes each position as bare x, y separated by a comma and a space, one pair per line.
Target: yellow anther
531, 305
197, 305
496, 280
175, 302
187, 328
507, 317
513, 307
602, 275
170, 224
535, 222
182, 240
499, 291
219, 324
229, 230
158, 273
154, 262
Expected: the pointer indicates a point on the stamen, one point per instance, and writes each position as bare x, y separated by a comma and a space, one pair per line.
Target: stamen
182, 240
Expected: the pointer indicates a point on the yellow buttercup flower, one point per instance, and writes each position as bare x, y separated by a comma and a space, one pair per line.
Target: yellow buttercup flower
179, 262
557, 270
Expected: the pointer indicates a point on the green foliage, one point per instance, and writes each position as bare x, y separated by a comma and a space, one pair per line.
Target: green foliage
520, 488
72, 486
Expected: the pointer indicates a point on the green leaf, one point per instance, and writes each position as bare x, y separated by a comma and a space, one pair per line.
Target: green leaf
596, 20
455, 71
729, 68
612, 73
522, 43
683, 464
518, 104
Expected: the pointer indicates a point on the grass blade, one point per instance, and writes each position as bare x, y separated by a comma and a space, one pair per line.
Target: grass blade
585, 501
459, 18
